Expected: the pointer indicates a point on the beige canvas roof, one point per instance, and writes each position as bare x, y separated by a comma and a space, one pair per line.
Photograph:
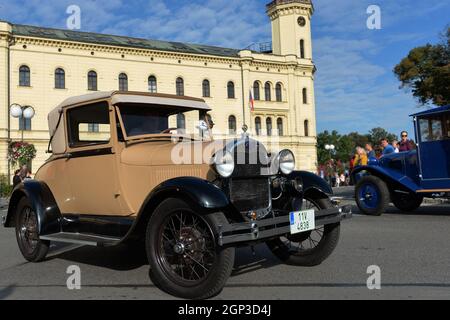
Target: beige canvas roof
116, 97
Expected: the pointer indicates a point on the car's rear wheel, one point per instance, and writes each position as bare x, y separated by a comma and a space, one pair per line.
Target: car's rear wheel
407, 201
32, 248
184, 258
372, 195
308, 248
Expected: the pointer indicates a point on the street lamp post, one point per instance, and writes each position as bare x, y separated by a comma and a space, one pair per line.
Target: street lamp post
22, 112
331, 148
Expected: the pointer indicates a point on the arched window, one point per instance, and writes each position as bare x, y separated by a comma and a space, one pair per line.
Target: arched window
24, 124
258, 126
306, 125
230, 90
269, 126
305, 96
232, 124
24, 76
123, 82
278, 92
92, 80
152, 84
206, 90
181, 121
280, 127
256, 92
180, 87
302, 49
60, 79
268, 91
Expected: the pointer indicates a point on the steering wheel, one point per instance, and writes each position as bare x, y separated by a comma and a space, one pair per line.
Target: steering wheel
168, 130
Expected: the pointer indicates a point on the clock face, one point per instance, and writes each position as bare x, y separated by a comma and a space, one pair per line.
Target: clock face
301, 21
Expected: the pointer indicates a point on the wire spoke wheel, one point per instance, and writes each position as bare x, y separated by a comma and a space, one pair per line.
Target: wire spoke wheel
31, 246
28, 230
186, 248
307, 240
307, 248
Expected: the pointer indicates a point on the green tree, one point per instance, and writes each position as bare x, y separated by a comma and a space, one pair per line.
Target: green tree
426, 70
376, 134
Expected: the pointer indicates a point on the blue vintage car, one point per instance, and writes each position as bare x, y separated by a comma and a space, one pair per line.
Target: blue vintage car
406, 178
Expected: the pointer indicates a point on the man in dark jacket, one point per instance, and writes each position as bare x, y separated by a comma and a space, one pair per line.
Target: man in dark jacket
405, 144
16, 180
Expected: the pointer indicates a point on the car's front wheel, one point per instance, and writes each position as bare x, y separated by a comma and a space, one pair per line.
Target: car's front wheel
372, 195
308, 248
181, 245
33, 249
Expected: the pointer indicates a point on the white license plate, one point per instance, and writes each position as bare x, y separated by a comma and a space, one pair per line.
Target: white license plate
302, 221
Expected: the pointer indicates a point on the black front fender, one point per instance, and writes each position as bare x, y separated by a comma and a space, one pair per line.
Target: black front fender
311, 182
42, 202
201, 192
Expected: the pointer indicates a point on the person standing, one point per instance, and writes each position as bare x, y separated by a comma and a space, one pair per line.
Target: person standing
387, 148
16, 180
337, 179
405, 144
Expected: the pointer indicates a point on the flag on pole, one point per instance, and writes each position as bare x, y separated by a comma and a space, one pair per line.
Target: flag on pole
251, 101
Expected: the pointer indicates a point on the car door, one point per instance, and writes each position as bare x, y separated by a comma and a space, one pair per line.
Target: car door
91, 162
434, 151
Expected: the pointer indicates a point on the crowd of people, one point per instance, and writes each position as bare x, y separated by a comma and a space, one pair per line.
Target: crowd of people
338, 174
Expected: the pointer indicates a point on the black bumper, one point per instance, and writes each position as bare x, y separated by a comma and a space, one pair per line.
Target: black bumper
239, 233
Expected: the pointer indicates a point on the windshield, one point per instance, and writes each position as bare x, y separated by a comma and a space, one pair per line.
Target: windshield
143, 120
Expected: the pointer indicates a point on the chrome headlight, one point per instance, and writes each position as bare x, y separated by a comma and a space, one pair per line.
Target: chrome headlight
287, 161
224, 163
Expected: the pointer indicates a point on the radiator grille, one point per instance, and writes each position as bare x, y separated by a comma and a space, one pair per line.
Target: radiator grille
250, 194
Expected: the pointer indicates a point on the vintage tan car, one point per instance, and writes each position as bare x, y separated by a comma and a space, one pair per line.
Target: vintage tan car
129, 167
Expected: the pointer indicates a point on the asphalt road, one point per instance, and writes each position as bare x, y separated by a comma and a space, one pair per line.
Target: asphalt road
412, 251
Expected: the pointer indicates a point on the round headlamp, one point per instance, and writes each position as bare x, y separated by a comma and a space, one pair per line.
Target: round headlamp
287, 161
224, 164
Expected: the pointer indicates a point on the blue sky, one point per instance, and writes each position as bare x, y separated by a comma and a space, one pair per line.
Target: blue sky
355, 87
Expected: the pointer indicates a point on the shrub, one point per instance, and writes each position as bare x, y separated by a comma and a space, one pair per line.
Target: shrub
5, 188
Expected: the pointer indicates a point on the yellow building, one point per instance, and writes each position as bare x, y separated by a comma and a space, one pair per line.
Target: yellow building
40, 67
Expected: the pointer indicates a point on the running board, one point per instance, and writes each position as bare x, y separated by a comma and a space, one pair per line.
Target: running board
83, 239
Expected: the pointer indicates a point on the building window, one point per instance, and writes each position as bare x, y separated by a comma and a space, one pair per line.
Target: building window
24, 76
60, 79
24, 124
180, 87
232, 124
280, 127
258, 126
152, 84
278, 92
305, 96
269, 126
230, 90
267, 91
93, 127
302, 49
92, 81
306, 124
123, 82
206, 89
181, 121
256, 92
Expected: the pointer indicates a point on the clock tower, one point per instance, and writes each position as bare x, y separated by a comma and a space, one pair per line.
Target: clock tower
291, 27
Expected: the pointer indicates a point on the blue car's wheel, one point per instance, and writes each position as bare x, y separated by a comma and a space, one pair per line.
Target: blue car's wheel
372, 195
